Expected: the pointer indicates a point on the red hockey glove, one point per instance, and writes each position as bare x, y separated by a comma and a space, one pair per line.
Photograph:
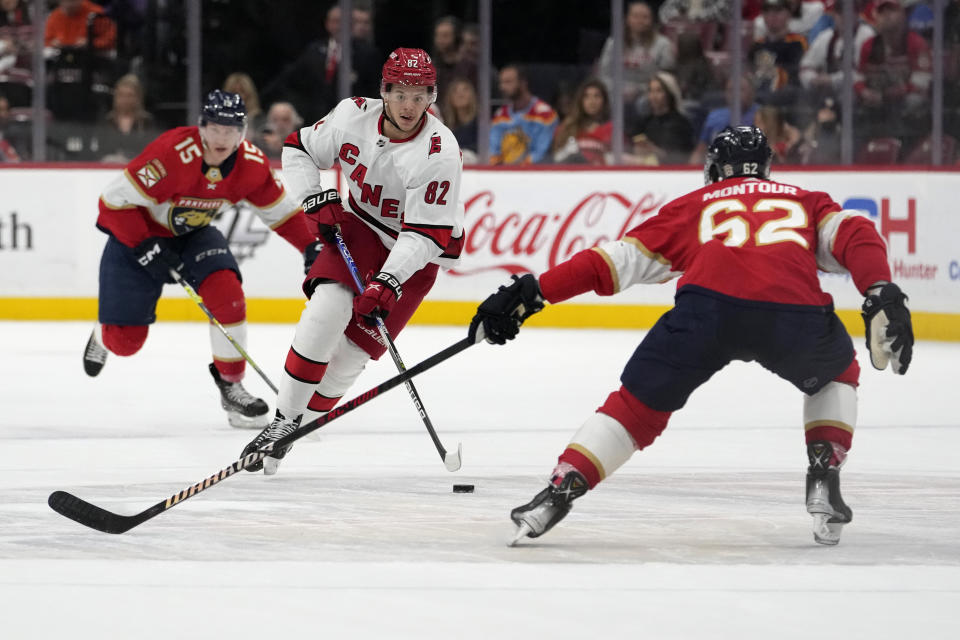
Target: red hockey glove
382, 292
324, 209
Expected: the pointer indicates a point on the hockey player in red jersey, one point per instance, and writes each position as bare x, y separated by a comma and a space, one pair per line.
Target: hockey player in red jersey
402, 220
157, 216
747, 250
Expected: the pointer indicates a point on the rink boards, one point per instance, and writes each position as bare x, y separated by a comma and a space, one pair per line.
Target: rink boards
516, 221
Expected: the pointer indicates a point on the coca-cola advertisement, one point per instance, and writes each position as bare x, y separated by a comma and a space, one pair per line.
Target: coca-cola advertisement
530, 221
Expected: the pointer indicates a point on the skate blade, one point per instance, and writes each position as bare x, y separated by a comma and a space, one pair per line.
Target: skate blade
825, 532
522, 532
240, 421
270, 466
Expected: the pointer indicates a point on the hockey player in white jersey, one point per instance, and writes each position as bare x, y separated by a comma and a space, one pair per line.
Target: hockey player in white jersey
402, 220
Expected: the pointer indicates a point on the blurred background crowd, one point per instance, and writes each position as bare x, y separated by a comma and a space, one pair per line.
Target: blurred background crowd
597, 82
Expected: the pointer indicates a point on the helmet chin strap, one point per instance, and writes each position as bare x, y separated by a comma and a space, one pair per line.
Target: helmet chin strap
389, 118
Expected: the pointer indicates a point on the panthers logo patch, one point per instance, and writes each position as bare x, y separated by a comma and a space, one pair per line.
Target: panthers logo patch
188, 214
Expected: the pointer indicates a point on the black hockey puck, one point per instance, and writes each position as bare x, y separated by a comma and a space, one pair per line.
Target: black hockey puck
463, 488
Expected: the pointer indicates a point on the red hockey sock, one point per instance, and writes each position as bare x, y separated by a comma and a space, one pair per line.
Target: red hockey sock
223, 296
321, 403
304, 369
581, 463
231, 371
124, 340
641, 422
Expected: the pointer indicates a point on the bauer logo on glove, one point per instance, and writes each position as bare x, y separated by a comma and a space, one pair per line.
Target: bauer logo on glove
382, 292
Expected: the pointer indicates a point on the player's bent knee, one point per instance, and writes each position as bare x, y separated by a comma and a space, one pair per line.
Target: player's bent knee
831, 414
346, 365
329, 308
222, 294
124, 340
640, 421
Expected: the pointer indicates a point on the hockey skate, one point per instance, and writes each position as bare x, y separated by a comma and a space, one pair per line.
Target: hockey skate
824, 501
280, 427
244, 411
94, 355
548, 507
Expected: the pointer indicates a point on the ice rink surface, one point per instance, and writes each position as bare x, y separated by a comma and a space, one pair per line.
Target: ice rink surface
702, 535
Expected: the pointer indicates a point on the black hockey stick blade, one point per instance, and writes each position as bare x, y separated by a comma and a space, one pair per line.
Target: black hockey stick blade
90, 515
94, 517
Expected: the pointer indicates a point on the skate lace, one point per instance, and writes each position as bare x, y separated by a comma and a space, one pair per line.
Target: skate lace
95, 352
236, 393
278, 430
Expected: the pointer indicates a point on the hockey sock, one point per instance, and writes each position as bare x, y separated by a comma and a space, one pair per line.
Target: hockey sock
223, 296
346, 365
598, 448
641, 422
319, 332
831, 414
124, 340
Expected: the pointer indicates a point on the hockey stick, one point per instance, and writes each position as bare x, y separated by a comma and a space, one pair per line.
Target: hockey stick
90, 515
451, 459
236, 345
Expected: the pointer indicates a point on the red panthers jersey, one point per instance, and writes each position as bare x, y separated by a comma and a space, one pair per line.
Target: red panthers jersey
746, 238
168, 190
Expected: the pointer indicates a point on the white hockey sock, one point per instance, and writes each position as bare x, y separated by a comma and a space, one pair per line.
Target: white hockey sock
222, 349
318, 333
604, 442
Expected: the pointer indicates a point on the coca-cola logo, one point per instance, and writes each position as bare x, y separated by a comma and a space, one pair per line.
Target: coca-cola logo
520, 242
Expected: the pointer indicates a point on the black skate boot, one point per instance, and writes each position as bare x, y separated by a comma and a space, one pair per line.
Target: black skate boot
824, 501
244, 411
94, 355
548, 507
280, 427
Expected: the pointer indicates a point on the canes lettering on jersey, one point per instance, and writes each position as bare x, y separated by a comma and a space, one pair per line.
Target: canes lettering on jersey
399, 188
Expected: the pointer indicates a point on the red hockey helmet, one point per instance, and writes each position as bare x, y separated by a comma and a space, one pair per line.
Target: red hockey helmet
410, 67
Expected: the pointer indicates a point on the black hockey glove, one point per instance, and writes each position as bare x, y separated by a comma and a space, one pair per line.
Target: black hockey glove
325, 210
310, 255
502, 313
158, 256
888, 326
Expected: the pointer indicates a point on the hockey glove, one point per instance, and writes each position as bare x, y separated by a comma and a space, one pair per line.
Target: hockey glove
502, 313
158, 256
325, 210
310, 255
888, 326
382, 292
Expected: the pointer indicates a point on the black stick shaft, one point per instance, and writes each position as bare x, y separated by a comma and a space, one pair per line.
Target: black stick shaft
382, 328
100, 519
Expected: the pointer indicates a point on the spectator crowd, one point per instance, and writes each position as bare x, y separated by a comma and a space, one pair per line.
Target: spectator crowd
111, 67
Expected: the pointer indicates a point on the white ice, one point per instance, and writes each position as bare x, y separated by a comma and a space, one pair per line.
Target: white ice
702, 535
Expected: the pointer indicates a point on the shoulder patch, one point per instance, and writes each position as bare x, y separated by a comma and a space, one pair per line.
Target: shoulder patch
434, 144
360, 102
151, 173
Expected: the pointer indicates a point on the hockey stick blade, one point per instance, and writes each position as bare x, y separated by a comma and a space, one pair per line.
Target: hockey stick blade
94, 517
451, 459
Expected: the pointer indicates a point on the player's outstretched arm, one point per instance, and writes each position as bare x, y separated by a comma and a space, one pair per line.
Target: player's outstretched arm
502, 313
888, 327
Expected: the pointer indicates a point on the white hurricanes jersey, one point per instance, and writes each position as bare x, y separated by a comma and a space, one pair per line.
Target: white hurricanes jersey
407, 191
